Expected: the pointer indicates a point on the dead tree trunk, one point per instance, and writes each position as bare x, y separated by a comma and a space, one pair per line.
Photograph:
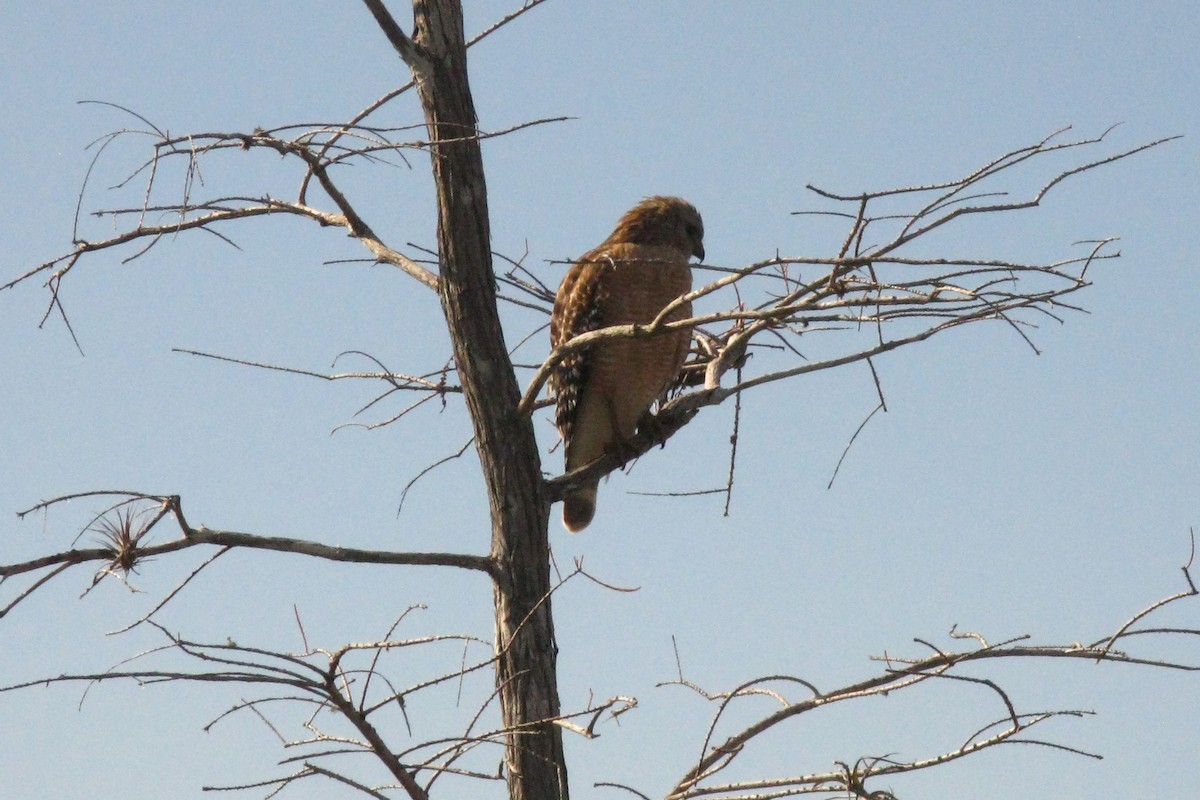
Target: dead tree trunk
504, 439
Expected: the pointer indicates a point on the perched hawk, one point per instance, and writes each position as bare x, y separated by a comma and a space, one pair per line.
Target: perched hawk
603, 391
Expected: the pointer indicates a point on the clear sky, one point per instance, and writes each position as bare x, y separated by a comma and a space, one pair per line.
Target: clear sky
1004, 492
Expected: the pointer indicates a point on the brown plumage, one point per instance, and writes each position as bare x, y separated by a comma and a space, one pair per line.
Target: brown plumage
602, 392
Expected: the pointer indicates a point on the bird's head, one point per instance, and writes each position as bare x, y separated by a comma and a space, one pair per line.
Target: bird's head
663, 221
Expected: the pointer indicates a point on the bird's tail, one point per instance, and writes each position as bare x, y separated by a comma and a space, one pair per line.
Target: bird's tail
579, 507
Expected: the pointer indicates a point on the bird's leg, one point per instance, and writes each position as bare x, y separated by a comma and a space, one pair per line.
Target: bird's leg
622, 450
650, 425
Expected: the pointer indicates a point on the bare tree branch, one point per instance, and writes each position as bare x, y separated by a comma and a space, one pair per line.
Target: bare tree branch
131, 550
926, 296
900, 674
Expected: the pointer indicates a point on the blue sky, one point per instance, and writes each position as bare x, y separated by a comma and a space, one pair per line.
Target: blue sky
1003, 492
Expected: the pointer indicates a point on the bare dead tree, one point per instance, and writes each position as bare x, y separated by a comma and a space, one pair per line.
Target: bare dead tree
870, 297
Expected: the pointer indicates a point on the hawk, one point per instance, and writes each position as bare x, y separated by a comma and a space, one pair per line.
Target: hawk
603, 391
